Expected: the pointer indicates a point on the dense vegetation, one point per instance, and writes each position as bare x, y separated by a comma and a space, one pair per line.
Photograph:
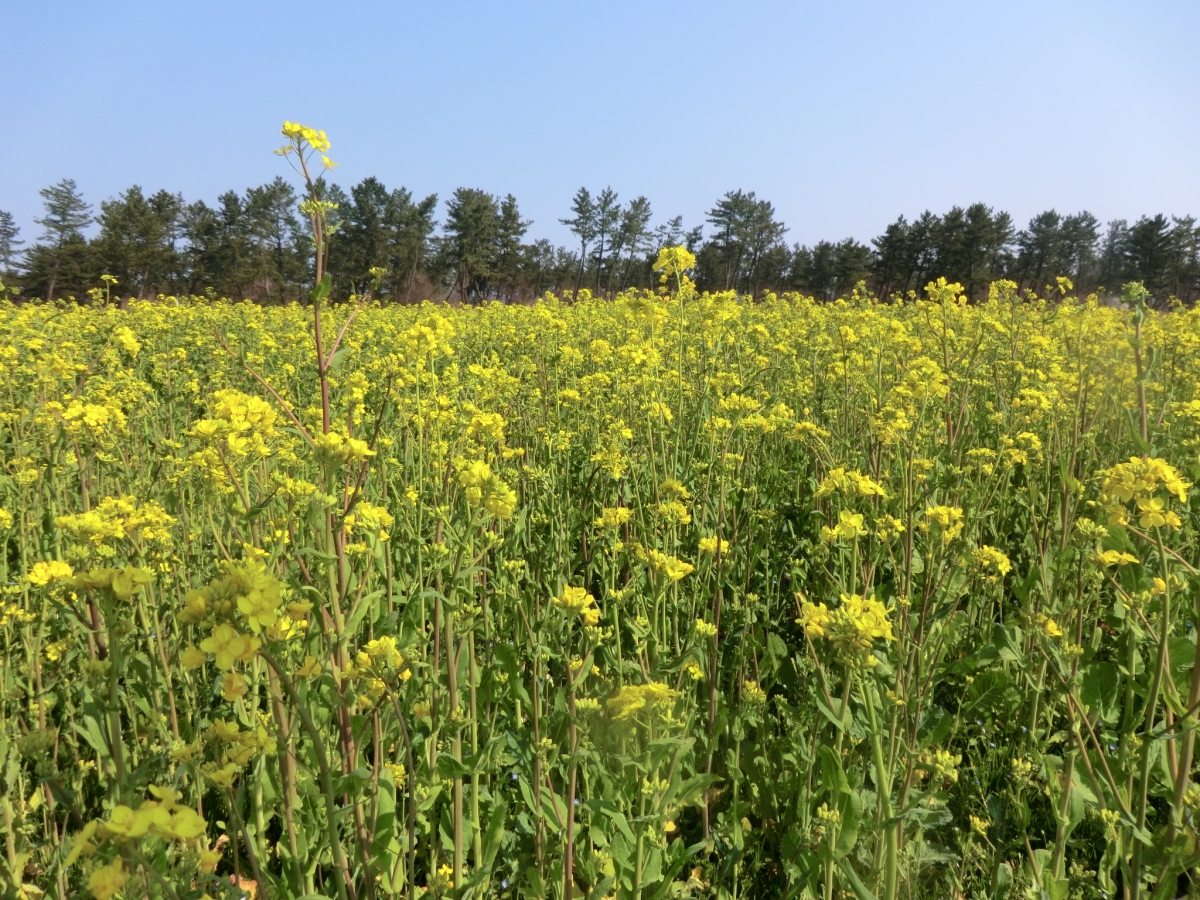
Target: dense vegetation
677, 594
254, 245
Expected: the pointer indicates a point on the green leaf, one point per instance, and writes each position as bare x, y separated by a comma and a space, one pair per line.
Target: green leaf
336, 359
385, 820
350, 784
1183, 656
495, 832
365, 603
615, 816
777, 652
918, 562
840, 718
449, 767
936, 724
1007, 640
860, 890
690, 791
321, 290
652, 870
535, 888
1099, 689
850, 806
1004, 881
1055, 888
833, 778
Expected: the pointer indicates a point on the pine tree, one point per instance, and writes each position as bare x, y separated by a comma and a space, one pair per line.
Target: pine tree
62, 250
137, 241
608, 214
468, 250
9, 242
583, 226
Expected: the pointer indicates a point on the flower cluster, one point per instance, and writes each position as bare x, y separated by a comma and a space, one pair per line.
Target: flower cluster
1140, 483
851, 628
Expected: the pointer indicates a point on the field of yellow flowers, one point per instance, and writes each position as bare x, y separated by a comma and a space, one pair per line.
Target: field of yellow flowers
669, 596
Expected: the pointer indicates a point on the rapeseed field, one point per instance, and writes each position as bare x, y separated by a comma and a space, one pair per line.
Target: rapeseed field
673, 595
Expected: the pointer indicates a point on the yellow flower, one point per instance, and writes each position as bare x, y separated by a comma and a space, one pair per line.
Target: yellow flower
943, 763
991, 563
44, 573
105, 881
614, 517
209, 860
383, 650
483, 488
185, 825
310, 667
129, 580
1050, 627
851, 482
398, 772
229, 646
193, 658
224, 731
633, 699
852, 627
753, 694
233, 686
674, 569
223, 776
673, 511
260, 607
578, 601
948, 519
888, 527
850, 525
1115, 558
674, 261
82, 844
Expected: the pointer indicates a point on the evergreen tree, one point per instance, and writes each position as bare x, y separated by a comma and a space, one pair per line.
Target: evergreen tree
468, 250
1148, 254
9, 242
364, 241
746, 229
1185, 257
1112, 268
727, 217
510, 252
1039, 248
1080, 239
413, 225
828, 270
973, 247
62, 256
584, 226
608, 215
631, 239
279, 248
137, 241
890, 265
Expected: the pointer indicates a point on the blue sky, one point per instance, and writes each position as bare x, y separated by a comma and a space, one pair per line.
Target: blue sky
843, 113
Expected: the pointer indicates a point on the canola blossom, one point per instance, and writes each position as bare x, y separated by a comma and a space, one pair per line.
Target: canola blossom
670, 595
607, 529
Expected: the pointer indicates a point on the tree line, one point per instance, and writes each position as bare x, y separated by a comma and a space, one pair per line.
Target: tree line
253, 245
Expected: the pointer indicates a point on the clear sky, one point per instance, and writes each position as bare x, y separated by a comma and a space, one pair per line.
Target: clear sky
843, 113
